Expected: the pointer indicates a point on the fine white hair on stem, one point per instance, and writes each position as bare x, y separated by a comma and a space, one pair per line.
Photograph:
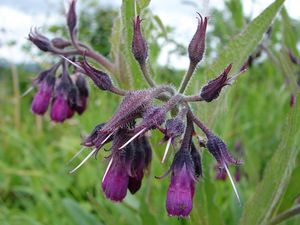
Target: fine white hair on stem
77, 154
232, 182
107, 168
108, 136
132, 138
27, 91
83, 161
166, 150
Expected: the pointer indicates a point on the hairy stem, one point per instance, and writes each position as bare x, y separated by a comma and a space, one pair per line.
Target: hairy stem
147, 75
187, 77
286, 215
193, 98
118, 91
199, 124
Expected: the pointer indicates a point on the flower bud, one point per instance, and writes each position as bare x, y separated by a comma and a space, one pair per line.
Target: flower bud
71, 17
60, 43
197, 45
39, 40
174, 128
213, 88
83, 90
219, 150
101, 79
196, 160
139, 45
132, 106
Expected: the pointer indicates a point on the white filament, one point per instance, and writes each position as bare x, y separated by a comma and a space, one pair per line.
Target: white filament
70, 61
232, 182
107, 168
166, 151
77, 154
134, 137
83, 161
27, 91
108, 136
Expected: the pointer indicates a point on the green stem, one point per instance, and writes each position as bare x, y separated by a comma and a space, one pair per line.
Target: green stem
147, 75
187, 77
286, 215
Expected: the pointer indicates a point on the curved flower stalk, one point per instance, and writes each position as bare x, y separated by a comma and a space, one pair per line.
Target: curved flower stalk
140, 112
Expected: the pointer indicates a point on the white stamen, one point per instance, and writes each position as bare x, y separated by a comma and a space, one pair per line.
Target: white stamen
77, 154
27, 91
108, 136
107, 168
166, 151
234, 77
83, 161
131, 139
70, 61
232, 182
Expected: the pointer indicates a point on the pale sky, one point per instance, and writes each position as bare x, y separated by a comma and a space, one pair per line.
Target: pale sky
18, 16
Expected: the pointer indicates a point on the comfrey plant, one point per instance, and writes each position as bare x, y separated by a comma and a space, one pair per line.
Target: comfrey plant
138, 114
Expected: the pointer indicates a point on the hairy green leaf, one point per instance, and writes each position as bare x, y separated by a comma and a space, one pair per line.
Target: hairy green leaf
240, 47
259, 208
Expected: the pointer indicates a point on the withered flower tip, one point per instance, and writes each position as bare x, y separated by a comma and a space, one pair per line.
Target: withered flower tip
197, 45
39, 40
72, 17
139, 45
213, 88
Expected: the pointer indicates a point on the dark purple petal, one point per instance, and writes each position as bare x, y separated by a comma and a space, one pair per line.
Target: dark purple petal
180, 193
60, 109
115, 182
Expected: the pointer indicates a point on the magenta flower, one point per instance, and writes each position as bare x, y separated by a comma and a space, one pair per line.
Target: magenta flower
181, 189
42, 98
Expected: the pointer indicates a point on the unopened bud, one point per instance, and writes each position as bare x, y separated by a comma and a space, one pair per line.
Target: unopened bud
71, 17
101, 79
213, 88
197, 45
60, 43
39, 40
139, 45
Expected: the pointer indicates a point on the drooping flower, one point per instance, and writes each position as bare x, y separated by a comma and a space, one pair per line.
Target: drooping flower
60, 108
83, 93
182, 186
141, 160
42, 98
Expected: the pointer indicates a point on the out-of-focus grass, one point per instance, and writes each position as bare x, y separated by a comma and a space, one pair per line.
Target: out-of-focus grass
36, 187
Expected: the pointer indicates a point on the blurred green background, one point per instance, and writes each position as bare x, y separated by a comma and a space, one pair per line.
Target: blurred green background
35, 184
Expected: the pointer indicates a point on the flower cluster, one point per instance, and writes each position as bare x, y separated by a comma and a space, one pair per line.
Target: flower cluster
160, 107
66, 93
